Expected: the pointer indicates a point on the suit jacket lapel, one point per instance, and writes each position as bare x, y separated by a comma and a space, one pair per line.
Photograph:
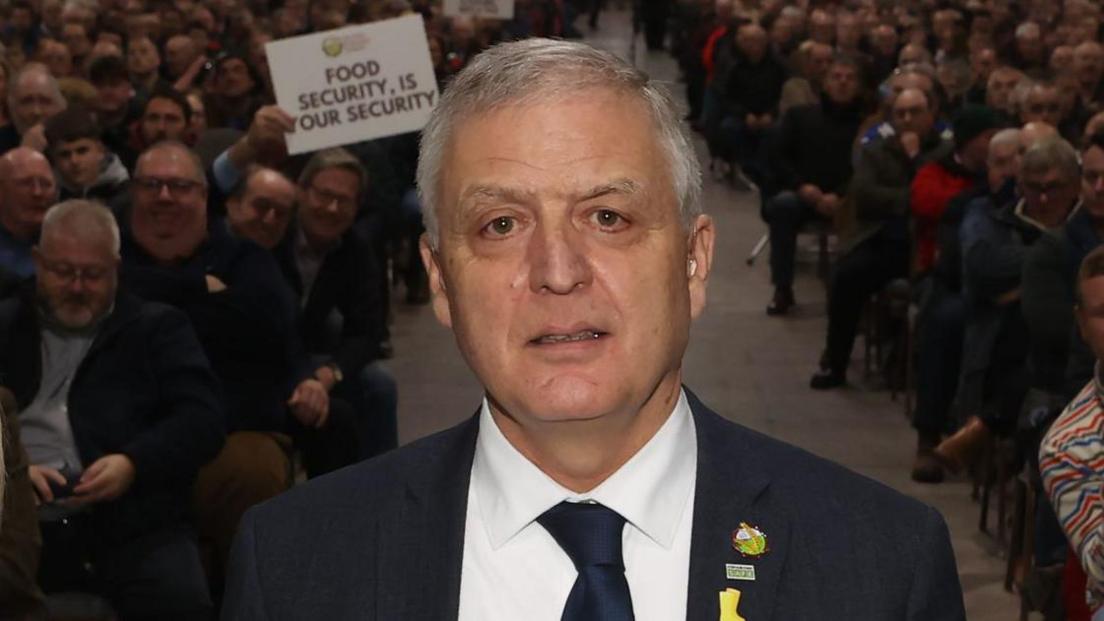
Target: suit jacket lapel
731, 489
420, 556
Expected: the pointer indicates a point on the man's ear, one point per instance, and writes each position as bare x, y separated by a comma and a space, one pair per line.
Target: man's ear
699, 261
437, 289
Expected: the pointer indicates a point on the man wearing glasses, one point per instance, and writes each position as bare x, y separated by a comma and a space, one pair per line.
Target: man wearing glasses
244, 314
119, 409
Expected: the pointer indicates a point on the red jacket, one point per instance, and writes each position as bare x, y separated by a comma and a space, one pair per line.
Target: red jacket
934, 185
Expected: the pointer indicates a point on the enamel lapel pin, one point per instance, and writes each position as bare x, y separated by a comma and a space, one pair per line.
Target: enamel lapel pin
730, 602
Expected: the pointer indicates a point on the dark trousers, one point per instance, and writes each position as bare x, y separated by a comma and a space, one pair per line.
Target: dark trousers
374, 398
940, 331
654, 13
154, 576
335, 445
785, 215
859, 274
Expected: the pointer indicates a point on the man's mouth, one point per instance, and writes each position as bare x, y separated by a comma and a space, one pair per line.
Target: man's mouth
574, 337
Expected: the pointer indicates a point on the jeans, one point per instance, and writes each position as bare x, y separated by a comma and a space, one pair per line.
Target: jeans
939, 338
785, 214
154, 576
860, 274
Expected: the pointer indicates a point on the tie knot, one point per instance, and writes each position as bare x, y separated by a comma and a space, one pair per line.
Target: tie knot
589, 533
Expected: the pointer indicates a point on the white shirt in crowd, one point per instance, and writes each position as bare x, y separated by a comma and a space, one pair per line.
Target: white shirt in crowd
513, 569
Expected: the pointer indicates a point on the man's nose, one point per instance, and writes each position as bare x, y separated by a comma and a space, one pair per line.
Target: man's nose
558, 260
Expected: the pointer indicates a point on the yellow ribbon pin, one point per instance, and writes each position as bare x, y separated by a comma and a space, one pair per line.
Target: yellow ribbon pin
730, 601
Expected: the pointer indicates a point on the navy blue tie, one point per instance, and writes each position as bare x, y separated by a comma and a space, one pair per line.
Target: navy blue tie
591, 536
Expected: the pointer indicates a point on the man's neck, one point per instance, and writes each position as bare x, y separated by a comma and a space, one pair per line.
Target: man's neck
580, 455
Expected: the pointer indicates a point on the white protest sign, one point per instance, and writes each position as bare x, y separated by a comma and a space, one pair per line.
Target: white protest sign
492, 9
355, 83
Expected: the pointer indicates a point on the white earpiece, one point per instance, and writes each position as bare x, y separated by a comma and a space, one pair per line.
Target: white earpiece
692, 267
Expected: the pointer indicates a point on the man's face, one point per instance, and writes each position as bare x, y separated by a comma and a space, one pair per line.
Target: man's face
162, 120
112, 97
884, 40
76, 37
264, 209
234, 78
1092, 181
328, 204
142, 57
1042, 104
841, 84
79, 161
1001, 83
820, 58
911, 113
1030, 45
752, 42
76, 280
34, 102
1090, 314
982, 63
1048, 192
1002, 163
179, 54
169, 215
563, 266
1088, 62
56, 56
28, 190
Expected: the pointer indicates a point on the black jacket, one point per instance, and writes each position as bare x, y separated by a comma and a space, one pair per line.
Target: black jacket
814, 146
144, 389
247, 330
347, 282
754, 87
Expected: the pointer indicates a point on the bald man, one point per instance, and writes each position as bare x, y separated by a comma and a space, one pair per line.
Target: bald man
27, 189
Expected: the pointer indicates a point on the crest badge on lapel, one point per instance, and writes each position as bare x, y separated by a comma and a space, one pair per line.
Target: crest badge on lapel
750, 541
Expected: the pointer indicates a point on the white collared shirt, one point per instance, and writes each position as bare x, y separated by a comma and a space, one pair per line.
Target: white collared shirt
513, 569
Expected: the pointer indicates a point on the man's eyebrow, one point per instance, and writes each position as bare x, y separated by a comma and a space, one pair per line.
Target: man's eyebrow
495, 193
625, 187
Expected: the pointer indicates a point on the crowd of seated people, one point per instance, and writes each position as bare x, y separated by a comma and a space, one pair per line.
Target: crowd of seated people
190, 318
956, 149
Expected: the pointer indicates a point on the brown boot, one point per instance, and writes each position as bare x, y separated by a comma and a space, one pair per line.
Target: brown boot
961, 449
926, 467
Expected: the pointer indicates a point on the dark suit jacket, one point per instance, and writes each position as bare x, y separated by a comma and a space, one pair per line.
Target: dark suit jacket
384, 539
144, 389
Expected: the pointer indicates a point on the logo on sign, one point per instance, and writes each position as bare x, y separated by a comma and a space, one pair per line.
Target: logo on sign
335, 46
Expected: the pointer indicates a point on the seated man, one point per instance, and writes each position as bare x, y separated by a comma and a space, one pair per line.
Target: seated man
995, 244
941, 323
33, 97
879, 251
330, 264
85, 168
166, 115
119, 411
813, 172
27, 189
1071, 449
244, 314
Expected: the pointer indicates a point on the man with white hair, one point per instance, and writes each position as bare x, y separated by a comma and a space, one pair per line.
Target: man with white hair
33, 97
567, 250
118, 409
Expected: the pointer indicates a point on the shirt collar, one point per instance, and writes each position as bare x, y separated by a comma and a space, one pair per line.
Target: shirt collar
651, 490
1020, 212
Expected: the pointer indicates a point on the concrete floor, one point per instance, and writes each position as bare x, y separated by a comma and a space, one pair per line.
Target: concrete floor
747, 366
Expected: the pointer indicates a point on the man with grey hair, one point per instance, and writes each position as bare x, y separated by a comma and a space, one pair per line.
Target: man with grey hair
995, 244
27, 189
567, 251
33, 97
118, 409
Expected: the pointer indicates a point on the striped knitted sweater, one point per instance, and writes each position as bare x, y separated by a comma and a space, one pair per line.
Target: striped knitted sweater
1071, 462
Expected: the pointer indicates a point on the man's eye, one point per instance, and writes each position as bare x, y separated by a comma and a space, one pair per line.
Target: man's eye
607, 218
501, 225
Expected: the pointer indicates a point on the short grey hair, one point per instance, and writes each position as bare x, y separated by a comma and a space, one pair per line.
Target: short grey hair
29, 70
1052, 154
1005, 137
84, 219
192, 156
536, 70
334, 158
